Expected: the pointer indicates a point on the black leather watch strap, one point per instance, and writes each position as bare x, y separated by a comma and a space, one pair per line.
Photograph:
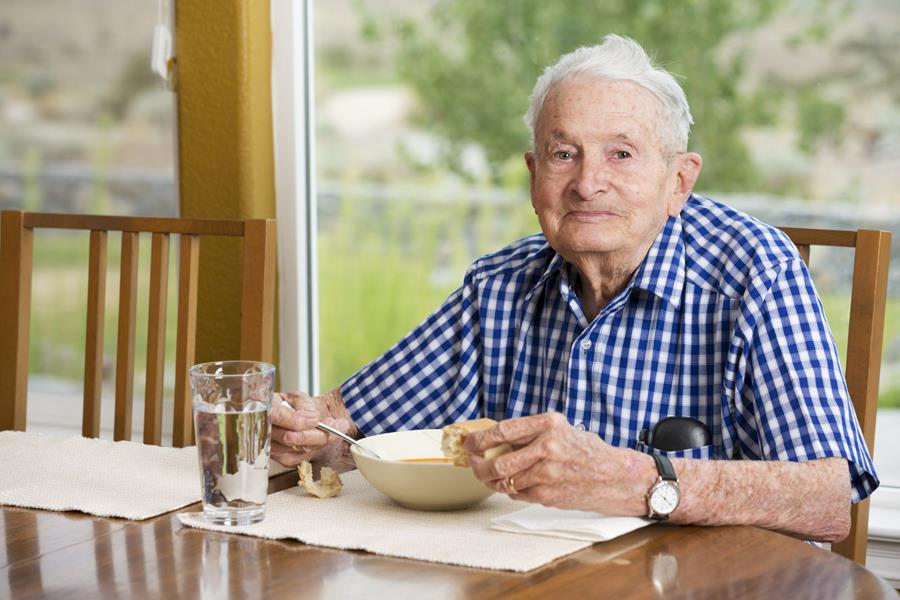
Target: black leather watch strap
665, 468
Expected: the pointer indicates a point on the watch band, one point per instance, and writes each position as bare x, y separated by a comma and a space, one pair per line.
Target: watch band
665, 468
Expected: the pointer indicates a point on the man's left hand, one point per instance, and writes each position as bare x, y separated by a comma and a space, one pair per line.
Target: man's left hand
557, 465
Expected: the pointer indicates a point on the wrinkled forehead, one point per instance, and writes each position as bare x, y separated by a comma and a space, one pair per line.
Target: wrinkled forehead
597, 107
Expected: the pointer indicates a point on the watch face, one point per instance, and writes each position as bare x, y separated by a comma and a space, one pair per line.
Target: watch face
664, 498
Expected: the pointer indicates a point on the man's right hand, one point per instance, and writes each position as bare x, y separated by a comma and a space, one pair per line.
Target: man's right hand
294, 434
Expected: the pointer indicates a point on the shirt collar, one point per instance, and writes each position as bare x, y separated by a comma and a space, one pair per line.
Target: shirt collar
662, 270
553, 267
660, 273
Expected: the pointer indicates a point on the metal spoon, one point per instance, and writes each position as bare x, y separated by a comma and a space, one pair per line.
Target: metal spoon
333, 431
347, 439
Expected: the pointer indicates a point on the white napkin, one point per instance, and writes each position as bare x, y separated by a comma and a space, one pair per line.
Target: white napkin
570, 524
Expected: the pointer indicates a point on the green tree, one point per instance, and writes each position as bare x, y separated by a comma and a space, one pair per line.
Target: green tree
473, 64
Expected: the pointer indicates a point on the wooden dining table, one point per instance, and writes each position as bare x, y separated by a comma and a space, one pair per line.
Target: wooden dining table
74, 555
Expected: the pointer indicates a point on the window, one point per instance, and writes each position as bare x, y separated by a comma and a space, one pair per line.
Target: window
84, 127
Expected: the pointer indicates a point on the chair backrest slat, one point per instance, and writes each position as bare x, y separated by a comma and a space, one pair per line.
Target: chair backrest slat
188, 274
128, 272
142, 224
93, 354
865, 337
15, 318
803, 236
156, 338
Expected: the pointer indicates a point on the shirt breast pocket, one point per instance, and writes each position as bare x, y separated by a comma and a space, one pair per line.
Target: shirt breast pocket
702, 453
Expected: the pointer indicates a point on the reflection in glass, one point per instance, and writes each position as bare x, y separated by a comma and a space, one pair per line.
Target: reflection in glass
104, 559
163, 539
134, 554
232, 567
664, 573
22, 543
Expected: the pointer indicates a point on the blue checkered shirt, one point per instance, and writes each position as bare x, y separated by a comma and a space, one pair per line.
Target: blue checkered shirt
720, 322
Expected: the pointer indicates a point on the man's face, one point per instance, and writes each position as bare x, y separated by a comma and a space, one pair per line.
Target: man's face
601, 183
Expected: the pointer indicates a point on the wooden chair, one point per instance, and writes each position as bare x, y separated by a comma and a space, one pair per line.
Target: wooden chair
257, 311
872, 253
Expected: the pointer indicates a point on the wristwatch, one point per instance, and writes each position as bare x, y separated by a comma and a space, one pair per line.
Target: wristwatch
664, 495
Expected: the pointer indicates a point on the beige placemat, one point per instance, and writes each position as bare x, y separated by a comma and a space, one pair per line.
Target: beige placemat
276, 468
361, 518
99, 477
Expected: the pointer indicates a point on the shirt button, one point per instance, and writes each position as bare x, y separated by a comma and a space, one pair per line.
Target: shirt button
585, 344
579, 426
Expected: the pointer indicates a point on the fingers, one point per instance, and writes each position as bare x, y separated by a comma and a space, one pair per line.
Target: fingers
499, 470
310, 438
295, 437
537, 441
295, 399
530, 484
342, 425
535, 476
519, 432
287, 456
540, 457
305, 416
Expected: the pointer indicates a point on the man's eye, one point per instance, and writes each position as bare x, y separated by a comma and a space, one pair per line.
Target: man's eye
563, 155
622, 154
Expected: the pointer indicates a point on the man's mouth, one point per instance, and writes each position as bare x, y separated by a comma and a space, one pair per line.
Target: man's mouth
592, 214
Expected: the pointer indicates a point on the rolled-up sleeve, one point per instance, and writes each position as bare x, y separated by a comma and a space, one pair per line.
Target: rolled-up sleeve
793, 403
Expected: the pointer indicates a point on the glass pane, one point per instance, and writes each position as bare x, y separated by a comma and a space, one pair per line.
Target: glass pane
395, 233
420, 141
85, 127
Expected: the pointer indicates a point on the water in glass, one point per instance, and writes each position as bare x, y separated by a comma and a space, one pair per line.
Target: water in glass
233, 426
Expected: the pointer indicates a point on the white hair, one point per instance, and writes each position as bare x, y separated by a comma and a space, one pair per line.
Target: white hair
619, 59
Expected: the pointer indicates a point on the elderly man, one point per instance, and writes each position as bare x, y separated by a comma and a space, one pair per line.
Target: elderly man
639, 301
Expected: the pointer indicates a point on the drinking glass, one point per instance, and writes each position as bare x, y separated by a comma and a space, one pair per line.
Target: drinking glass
232, 403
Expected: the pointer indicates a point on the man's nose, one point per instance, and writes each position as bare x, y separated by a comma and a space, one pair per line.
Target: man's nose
592, 177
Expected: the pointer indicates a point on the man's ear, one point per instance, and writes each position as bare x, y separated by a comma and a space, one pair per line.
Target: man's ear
686, 171
530, 163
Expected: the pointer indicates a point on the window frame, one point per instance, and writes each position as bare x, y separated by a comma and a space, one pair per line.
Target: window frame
293, 125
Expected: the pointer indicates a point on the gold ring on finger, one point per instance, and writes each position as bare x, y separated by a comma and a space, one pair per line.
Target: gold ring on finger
511, 484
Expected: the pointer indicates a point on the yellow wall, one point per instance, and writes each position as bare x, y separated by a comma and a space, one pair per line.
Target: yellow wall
225, 156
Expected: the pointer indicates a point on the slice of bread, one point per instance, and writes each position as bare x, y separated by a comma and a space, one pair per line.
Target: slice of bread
454, 436
328, 486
